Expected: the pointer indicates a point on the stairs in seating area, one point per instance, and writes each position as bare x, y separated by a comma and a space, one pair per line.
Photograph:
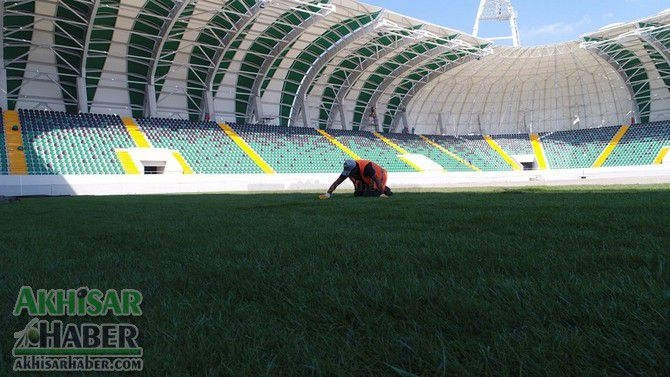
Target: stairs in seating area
136, 133
15, 150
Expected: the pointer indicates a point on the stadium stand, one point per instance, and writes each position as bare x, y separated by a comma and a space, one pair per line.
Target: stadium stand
576, 149
292, 149
641, 144
475, 150
62, 143
205, 147
414, 144
4, 167
369, 147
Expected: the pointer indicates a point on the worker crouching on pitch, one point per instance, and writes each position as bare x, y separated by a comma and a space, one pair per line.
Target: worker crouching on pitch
369, 179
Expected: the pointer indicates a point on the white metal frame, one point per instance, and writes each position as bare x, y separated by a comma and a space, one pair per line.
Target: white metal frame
498, 10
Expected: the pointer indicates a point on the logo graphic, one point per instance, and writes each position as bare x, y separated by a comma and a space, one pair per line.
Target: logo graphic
47, 344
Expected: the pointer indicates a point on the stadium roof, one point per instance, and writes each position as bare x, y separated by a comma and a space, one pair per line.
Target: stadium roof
298, 63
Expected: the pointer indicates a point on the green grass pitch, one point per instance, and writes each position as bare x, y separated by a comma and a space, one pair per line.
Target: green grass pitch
492, 282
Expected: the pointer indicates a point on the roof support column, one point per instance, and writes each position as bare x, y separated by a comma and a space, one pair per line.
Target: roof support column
301, 108
403, 119
82, 95
343, 117
440, 124
338, 109
258, 108
208, 111
305, 112
150, 101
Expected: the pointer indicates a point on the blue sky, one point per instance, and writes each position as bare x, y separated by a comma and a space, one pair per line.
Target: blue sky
540, 22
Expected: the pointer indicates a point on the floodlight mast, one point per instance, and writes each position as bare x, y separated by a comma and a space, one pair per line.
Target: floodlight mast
498, 10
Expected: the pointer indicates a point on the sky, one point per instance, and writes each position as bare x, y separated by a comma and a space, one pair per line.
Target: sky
540, 22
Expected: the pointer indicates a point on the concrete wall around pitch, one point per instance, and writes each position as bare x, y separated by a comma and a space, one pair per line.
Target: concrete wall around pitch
184, 184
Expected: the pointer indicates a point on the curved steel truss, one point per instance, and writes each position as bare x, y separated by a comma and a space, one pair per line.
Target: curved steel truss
290, 62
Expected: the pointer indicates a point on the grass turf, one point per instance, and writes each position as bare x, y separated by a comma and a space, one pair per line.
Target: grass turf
532, 282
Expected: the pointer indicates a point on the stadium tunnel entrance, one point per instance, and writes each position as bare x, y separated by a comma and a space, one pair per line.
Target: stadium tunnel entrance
153, 167
150, 161
527, 161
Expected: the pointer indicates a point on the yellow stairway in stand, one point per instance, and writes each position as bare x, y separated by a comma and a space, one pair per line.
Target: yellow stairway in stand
127, 163
399, 149
185, 167
661, 155
337, 143
449, 153
16, 158
136, 133
509, 160
538, 149
246, 148
610, 147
